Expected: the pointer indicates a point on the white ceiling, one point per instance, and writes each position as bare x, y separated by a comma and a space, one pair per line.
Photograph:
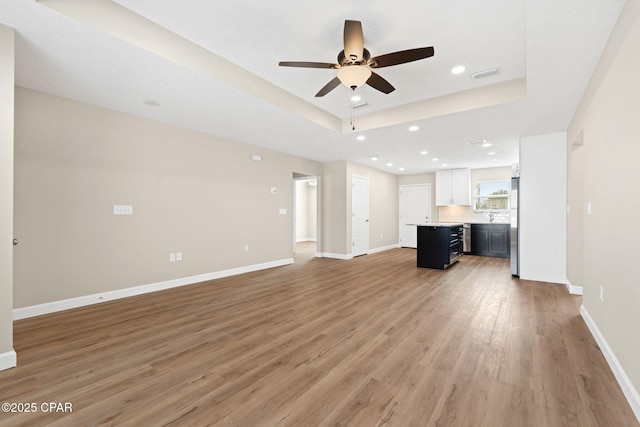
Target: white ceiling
546, 51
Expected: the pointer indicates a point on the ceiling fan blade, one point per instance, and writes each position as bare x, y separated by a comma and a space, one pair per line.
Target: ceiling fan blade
377, 82
353, 40
401, 57
329, 87
307, 64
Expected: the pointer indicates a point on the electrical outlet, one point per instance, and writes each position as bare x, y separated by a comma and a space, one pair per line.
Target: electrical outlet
123, 209
601, 293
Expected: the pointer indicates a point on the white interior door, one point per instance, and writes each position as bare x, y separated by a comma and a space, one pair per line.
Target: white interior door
360, 215
415, 208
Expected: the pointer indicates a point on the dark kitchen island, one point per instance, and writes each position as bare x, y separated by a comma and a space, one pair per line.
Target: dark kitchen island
439, 244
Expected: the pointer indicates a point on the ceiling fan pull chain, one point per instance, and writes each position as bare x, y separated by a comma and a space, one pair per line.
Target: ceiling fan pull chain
353, 125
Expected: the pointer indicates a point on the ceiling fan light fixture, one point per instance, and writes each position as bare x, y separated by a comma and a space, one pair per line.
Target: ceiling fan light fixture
354, 76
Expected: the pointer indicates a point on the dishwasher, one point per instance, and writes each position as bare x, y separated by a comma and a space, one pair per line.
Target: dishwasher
466, 238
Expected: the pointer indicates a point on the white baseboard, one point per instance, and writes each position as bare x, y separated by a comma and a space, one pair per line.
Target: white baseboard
574, 290
350, 256
384, 248
335, 256
55, 306
8, 360
623, 380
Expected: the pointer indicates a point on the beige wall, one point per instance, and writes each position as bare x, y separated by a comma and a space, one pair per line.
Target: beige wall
605, 172
7, 356
334, 209
383, 205
191, 193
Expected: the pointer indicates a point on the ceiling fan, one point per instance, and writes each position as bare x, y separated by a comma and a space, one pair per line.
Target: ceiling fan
355, 62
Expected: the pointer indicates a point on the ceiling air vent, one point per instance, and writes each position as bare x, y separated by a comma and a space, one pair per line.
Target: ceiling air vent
485, 73
359, 104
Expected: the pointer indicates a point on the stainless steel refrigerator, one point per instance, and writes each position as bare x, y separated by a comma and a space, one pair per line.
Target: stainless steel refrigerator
515, 250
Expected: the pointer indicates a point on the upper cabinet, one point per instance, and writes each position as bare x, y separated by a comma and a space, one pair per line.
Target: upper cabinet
453, 187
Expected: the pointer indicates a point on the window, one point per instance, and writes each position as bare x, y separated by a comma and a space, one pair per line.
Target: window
491, 195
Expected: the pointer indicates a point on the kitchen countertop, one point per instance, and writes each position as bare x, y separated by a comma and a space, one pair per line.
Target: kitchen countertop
487, 222
453, 224
475, 222
439, 224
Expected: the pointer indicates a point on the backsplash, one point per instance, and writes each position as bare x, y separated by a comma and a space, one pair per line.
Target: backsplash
467, 214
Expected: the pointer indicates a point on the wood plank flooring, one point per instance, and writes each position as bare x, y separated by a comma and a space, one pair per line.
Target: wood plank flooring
372, 341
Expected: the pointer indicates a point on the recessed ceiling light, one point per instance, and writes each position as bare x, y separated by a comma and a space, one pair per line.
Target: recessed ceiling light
400, 169
413, 128
424, 152
356, 98
444, 165
487, 144
491, 153
361, 137
495, 160
374, 158
458, 70
435, 159
389, 164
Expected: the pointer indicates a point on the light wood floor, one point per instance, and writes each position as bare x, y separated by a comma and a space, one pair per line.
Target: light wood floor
364, 342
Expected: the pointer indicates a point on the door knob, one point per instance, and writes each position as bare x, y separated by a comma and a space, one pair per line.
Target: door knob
15, 242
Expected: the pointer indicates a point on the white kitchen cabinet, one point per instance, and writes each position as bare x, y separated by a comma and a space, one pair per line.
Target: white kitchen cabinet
453, 187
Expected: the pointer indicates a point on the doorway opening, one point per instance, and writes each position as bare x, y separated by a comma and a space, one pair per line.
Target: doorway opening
305, 217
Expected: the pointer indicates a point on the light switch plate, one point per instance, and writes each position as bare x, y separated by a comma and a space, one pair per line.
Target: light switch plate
283, 211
